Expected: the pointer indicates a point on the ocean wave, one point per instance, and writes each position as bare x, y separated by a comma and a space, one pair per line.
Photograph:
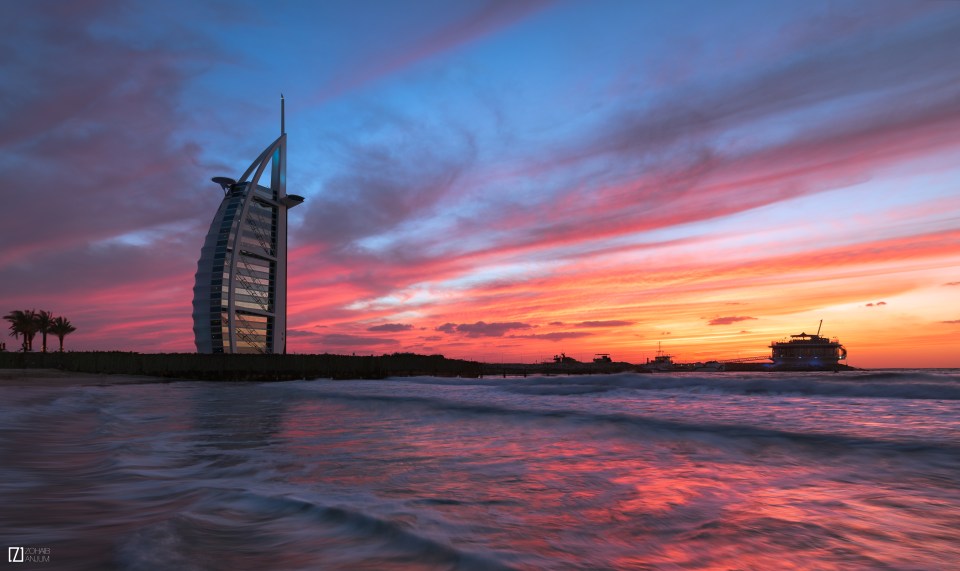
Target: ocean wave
666, 427
899, 385
241, 525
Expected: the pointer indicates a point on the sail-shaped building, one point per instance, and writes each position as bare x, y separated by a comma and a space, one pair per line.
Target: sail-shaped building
240, 292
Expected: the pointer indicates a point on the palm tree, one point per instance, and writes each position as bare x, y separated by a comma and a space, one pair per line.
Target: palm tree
44, 322
61, 327
23, 323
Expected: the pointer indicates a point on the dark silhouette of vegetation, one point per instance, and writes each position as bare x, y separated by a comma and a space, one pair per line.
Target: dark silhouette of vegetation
44, 322
27, 323
61, 327
23, 324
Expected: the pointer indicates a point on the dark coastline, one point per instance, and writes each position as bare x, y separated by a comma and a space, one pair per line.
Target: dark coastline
221, 367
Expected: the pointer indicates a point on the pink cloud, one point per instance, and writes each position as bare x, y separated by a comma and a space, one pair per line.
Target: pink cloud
108, 158
105, 226
341, 340
609, 323
83, 163
391, 327
728, 320
483, 329
726, 184
555, 336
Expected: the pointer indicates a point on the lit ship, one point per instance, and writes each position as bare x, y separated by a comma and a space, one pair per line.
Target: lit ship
805, 351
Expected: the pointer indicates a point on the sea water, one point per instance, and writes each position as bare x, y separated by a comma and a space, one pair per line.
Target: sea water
854, 470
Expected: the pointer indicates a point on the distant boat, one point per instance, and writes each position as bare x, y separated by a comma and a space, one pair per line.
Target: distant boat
709, 366
805, 351
662, 362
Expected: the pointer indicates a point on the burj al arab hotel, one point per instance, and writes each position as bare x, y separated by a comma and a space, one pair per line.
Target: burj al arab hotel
240, 293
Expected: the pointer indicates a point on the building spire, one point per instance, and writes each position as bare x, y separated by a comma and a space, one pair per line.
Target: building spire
283, 129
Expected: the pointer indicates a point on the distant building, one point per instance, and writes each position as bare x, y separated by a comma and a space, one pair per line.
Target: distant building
240, 292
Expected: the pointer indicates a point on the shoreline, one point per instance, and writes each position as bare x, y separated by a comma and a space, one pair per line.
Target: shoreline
55, 378
117, 367
242, 367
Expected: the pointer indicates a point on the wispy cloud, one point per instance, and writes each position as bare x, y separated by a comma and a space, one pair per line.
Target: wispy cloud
347, 340
695, 181
391, 327
608, 323
468, 27
457, 174
729, 320
78, 157
483, 329
555, 336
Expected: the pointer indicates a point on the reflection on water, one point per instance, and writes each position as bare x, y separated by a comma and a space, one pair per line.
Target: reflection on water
556, 473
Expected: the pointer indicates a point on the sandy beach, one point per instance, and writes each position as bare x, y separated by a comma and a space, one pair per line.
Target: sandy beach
58, 378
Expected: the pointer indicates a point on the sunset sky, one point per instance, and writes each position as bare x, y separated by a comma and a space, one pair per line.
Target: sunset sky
501, 181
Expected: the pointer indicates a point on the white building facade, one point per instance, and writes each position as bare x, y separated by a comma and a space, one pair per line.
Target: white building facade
240, 291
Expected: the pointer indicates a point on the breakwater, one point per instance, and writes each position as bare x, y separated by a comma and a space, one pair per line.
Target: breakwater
223, 367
